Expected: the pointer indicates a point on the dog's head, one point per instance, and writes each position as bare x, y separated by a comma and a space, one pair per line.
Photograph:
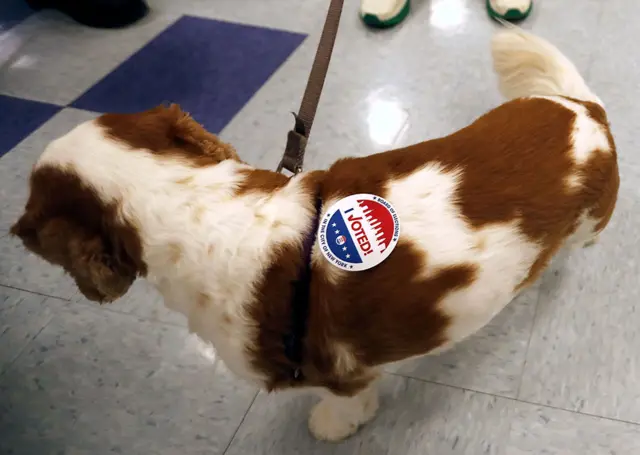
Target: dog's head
68, 224
74, 216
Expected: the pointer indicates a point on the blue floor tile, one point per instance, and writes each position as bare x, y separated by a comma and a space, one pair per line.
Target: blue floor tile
19, 118
211, 68
13, 12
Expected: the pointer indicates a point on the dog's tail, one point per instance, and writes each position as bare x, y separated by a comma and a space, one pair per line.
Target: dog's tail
527, 65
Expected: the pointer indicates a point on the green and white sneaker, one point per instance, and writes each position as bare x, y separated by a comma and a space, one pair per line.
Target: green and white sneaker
509, 10
384, 13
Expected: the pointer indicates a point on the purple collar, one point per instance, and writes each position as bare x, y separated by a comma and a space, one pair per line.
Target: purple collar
294, 340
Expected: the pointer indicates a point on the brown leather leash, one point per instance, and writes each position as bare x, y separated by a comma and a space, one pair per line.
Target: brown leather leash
292, 161
293, 157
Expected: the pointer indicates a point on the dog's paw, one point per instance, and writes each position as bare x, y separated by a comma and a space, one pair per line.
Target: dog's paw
325, 425
332, 422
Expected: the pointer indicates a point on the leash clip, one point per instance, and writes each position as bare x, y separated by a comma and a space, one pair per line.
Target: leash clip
293, 158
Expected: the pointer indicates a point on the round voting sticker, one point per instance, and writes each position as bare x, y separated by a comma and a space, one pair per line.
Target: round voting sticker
359, 232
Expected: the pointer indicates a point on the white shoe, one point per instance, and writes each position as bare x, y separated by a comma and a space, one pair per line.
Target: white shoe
511, 10
384, 13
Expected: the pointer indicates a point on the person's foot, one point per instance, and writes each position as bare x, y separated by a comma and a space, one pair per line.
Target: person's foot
97, 13
510, 10
384, 13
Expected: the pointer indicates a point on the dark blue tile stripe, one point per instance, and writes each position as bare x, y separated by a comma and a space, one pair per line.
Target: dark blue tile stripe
12, 12
211, 68
19, 118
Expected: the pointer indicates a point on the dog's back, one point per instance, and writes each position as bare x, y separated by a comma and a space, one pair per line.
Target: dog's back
481, 213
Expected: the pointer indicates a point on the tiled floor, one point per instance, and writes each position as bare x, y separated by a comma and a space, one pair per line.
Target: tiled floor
555, 373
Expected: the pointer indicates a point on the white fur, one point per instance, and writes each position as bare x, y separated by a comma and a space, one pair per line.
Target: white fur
586, 232
242, 231
429, 218
334, 418
528, 65
588, 136
432, 221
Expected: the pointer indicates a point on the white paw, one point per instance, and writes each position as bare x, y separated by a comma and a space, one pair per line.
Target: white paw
326, 426
330, 421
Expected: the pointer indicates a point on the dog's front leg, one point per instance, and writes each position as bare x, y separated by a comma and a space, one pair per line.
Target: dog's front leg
337, 417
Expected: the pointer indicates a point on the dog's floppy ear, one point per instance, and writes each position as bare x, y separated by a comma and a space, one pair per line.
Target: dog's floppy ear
100, 267
101, 270
66, 224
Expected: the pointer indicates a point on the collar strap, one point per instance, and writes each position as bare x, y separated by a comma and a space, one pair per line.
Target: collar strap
294, 340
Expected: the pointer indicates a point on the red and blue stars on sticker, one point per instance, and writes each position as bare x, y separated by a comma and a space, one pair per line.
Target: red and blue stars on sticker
359, 232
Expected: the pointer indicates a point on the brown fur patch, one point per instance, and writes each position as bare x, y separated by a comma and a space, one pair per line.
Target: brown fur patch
602, 174
513, 161
261, 181
168, 132
185, 181
67, 224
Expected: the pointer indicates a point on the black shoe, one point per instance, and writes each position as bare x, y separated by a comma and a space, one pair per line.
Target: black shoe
97, 13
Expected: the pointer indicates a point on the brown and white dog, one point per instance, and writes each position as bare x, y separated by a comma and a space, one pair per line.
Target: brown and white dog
482, 212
